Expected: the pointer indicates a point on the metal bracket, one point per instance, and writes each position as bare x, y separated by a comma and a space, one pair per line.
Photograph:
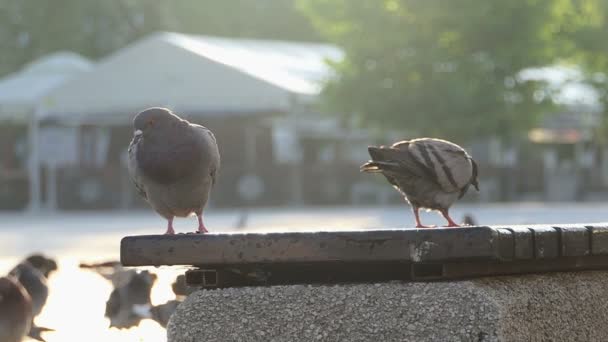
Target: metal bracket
206, 278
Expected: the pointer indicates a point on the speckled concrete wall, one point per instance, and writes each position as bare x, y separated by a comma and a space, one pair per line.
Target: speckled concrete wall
550, 307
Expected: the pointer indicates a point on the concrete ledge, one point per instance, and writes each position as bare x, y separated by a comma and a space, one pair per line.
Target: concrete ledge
320, 246
404, 245
569, 306
233, 260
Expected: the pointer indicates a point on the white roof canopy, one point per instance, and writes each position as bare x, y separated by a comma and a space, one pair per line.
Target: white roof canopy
211, 75
20, 92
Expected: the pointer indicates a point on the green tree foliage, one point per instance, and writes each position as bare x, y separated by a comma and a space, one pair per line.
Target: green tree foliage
94, 28
440, 68
584, 29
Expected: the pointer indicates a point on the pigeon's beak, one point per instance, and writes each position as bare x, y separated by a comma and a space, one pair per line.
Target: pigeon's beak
137, 132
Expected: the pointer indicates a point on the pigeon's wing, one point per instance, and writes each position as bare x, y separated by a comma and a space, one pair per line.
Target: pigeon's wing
210, 150
113, 304
397, 160
134, 173
449, 164
34, 283
181, 154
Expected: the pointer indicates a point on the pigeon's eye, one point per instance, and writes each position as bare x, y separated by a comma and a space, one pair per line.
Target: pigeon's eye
151, 123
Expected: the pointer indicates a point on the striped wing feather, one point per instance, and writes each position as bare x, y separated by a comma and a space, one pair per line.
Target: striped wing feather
397, 159
449, 164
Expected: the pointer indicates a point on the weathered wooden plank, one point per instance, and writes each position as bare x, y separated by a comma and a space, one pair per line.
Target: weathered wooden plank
524, 243
546, 242
599, 239
414, 245
574, 241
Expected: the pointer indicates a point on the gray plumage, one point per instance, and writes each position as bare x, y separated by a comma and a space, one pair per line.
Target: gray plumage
125, 302
43, 264
180, 287
15, 310
34, 283
113, 271
173, 164
162, 313
430, 173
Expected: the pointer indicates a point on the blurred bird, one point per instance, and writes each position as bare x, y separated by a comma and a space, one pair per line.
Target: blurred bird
43, 264
35, 284
430, 173
173, 164
129, 303
112, 271
469, 220
180, 288
15, 310
161, 313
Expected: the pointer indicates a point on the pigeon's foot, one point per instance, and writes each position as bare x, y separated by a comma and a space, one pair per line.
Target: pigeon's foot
451, 222
417, 216
170, 230
201, 226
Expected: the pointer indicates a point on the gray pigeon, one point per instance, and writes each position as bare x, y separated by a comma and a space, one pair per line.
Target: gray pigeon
34, 283
180, 287
36, 286
162, 313
430, 173
112, 271
126, 303
15, 310
173, 163
42, 264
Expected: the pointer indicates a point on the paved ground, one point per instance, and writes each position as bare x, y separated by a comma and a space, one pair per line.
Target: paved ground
77, 299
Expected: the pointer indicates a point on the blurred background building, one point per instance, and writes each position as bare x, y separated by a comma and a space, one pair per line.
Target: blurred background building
262, 100
535, 125
260, 97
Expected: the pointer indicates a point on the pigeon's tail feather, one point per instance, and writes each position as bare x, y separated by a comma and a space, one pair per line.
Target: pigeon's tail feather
102, 264
379, 166
376, 152
383, 159
384, 153
371, 167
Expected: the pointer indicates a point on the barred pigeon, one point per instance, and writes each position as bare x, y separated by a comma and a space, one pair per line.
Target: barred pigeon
173, 164
43, 264
127, 302
34, 282
15, 310
32, 278
430, 173
161, 313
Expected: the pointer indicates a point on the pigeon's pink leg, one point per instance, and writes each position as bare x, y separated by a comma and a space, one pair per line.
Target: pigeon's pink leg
201, 226
418, 224
451, 222
170, 230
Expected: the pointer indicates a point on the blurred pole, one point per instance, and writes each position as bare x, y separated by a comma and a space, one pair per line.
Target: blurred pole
297, 195
125, 181
251, 148
51, 187
34, 160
